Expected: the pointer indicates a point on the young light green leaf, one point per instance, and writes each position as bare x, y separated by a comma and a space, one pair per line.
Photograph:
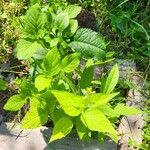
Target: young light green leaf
51, 62
121, 109
111, 80
101, 99
70, 62
72, 104
62, 21
34, 21
42, 82
95, 120
25, 49
15, 103
34, 118
62, 127
89, 44
86, 77
73, 10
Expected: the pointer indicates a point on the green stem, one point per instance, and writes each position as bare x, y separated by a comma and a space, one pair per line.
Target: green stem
139, 25
71, 85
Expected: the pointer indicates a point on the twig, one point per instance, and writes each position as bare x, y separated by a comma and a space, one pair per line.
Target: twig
11, 71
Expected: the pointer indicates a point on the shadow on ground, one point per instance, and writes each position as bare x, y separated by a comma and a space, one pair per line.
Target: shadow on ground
14, 138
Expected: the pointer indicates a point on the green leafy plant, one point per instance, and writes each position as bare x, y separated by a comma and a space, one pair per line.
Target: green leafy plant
53, 45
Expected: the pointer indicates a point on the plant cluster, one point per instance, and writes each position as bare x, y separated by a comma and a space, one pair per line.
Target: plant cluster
56, 88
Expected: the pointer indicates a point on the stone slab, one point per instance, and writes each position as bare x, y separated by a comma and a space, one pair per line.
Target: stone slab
14, 138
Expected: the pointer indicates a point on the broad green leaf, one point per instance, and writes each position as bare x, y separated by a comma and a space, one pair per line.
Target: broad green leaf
73, 10
121, 109
2, 85
25, 49
86, 77
70, 62
98, 99
42, 82
102, 99
62, 127
34, 118
62, 21
89, 44
15, 103
34, 21
95, 120
111, 80
73, 26
82, 130
51, 62
72, 104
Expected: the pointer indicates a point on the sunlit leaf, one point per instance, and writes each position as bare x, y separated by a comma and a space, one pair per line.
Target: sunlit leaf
111, 80
62, 127
15, 103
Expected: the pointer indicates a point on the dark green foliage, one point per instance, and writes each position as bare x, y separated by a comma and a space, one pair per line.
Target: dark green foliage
89, 44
